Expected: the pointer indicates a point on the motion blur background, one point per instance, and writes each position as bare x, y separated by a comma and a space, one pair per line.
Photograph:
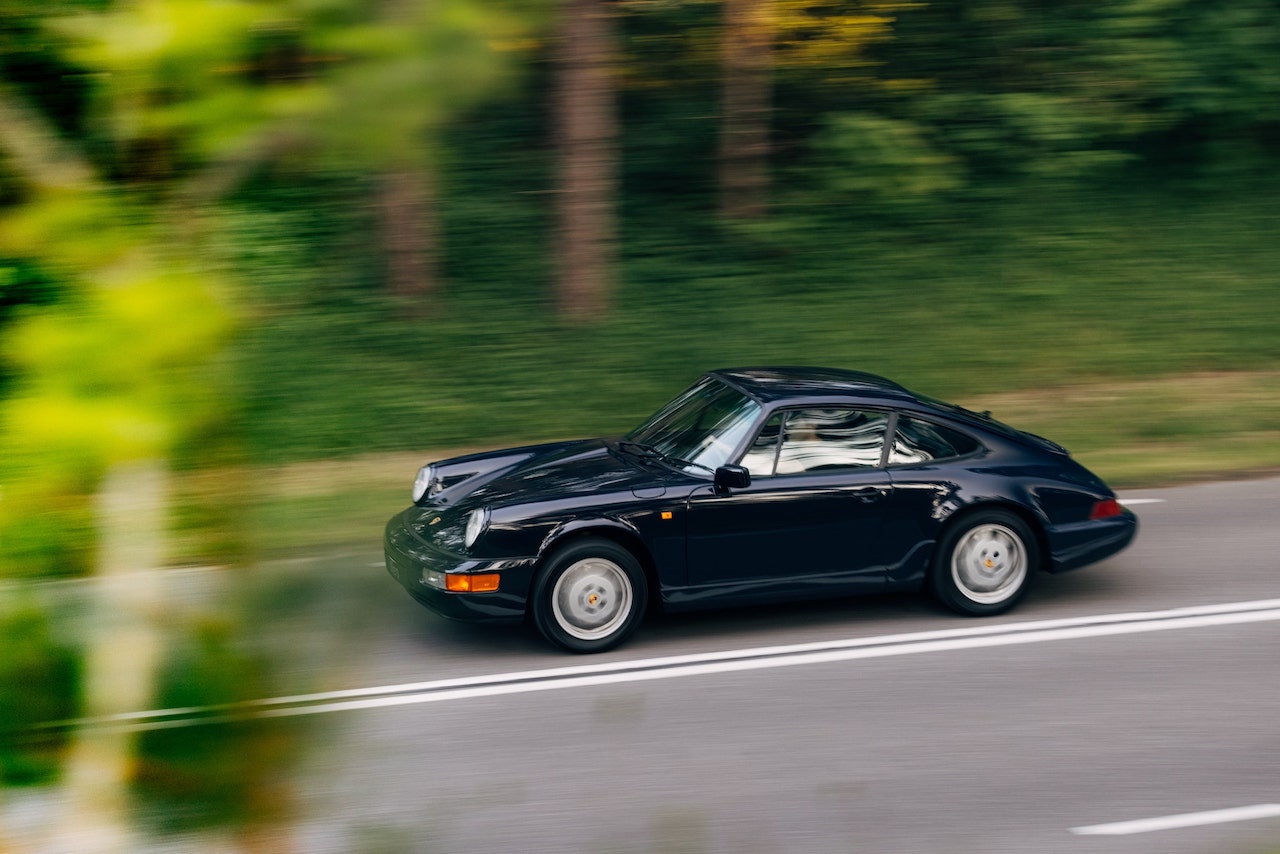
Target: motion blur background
261, 259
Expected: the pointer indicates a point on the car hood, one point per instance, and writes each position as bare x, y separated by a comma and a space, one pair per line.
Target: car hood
552, 472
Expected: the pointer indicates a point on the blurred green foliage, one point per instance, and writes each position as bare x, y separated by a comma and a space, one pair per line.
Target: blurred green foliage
21, 284
107, 192
226, 772
890, 161
1025, 88
1015, 194
123, 129
978, 199
122, 367
39, 685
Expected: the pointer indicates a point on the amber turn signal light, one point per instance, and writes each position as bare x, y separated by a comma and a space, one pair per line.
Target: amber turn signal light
484, 583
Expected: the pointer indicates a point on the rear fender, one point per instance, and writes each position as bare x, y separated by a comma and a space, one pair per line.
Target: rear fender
1034, 522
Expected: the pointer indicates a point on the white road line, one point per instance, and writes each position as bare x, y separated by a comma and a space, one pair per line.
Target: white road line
1170, 822
441, 693
521, 682
1134, 502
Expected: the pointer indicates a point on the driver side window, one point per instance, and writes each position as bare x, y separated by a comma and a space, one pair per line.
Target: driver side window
801, 441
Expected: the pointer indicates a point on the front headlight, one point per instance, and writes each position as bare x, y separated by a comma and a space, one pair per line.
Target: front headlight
426, 476
476, 523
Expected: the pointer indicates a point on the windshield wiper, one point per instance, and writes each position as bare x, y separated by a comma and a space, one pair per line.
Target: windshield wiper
650, 452
639, 449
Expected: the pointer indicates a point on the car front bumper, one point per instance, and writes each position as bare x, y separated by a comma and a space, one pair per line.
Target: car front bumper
409, 558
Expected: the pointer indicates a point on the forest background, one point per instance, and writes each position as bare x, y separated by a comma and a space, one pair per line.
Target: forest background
261, 258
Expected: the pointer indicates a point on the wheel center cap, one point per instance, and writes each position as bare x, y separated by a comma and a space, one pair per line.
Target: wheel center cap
593, 599
991, 564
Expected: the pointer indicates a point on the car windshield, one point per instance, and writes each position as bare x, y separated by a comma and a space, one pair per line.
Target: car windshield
700, 428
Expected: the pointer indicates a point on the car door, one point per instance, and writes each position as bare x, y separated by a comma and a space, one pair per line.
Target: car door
811, 519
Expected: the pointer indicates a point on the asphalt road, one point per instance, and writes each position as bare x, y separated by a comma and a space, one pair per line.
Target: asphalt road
905, 745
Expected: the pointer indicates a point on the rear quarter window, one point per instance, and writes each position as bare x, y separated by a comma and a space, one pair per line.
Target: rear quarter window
919, 441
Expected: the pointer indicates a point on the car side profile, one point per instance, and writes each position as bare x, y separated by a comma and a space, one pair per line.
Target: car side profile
754, 485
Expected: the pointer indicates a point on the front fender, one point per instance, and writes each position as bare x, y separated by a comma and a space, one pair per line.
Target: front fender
576, 527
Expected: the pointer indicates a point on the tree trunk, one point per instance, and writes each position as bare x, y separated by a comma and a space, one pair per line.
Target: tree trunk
121, 657
744, 130
587, 126
411, 238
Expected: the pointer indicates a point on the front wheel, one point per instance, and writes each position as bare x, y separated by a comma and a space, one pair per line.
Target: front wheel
590, 597
985, 563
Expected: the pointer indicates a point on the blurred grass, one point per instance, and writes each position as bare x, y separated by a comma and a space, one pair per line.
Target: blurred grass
1137, 326
1045, 291
230, 774
39, 683
1158, 432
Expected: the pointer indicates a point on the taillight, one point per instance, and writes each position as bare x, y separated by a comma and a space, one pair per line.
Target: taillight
1106, 509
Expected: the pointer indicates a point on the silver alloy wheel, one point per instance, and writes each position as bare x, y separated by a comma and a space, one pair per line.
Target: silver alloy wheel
989, 563
592, 598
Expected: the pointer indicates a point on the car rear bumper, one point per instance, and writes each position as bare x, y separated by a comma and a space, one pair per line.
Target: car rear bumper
1080, 544
409, 559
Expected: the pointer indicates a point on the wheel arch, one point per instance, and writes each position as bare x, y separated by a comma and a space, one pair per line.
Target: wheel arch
604, 529
1032, 521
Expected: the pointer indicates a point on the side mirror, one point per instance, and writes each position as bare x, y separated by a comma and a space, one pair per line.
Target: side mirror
732, 477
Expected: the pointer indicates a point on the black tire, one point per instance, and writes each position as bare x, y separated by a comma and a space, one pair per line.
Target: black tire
590, 596
985, 563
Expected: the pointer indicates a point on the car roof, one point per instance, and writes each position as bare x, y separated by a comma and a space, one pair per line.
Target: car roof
772, 384
810, 386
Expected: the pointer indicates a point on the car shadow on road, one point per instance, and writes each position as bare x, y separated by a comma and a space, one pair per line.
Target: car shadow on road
791, 622
1052, 597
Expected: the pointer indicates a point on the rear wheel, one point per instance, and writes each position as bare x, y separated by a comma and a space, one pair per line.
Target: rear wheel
590, 597
985, 563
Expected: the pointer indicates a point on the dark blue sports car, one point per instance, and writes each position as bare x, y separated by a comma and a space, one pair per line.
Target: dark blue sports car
753, 485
